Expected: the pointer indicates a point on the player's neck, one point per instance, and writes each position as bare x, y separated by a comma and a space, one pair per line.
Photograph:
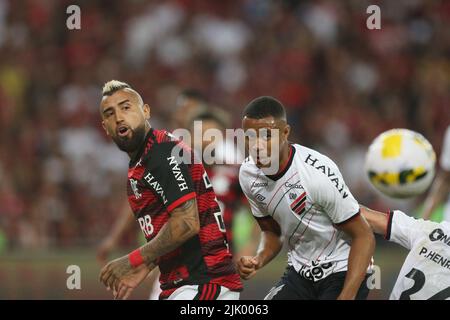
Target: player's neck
284, 156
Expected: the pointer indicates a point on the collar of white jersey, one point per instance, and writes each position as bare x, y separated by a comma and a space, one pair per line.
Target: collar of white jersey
286, 166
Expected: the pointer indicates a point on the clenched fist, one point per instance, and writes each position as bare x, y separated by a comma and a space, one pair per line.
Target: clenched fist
247, 266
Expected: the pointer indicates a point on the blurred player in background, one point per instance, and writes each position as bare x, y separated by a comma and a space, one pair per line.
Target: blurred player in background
425, 274
241, 232
307, 205
189, 103
175, 206
192, 102
440, 189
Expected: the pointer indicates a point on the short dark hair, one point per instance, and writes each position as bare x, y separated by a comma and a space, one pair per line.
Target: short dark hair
265, 106
193, 94
209, 116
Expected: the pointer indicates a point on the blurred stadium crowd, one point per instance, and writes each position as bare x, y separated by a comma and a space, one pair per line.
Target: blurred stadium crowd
62, 180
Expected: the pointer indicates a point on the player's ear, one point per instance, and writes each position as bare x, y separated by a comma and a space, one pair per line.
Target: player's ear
146, 109
104, 127
287, 131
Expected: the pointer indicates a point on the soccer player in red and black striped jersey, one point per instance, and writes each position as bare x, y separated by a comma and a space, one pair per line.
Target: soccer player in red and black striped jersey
225, 176
175, 205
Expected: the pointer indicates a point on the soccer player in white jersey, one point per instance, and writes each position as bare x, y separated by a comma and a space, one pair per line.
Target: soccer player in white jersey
425, 274
441, 186
306, 205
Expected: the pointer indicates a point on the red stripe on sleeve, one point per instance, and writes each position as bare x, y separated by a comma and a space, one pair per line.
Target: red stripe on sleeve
181, 200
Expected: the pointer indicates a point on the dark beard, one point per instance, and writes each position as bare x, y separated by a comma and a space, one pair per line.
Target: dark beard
132, 144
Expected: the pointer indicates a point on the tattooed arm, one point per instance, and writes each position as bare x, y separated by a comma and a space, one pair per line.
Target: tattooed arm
182, 225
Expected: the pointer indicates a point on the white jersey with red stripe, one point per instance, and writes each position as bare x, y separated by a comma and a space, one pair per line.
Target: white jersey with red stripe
307, 198
425, 274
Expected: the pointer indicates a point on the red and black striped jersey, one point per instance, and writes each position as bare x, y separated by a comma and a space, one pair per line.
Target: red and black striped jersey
163, 175
225, 181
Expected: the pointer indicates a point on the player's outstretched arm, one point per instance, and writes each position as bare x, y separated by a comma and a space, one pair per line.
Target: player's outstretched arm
362, 248
270, 245
378, 221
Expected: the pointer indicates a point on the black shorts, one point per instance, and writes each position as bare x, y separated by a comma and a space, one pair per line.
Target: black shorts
292, 286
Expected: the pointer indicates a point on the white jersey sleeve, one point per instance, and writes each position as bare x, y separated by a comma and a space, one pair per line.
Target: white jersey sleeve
403, 229
445, 154
332, 194
245, 182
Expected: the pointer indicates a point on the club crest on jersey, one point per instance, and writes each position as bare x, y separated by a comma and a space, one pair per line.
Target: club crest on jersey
154, 184
299, 204
177, 173
133, 184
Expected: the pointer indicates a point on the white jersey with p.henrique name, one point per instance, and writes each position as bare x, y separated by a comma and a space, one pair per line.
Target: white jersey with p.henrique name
425, 274
307, 198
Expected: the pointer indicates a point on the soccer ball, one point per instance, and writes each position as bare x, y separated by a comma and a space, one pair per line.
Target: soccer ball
400, 163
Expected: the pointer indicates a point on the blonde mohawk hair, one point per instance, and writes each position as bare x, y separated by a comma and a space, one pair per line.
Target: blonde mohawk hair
114, 85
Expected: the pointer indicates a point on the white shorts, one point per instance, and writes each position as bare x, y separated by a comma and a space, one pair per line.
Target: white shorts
209, 291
